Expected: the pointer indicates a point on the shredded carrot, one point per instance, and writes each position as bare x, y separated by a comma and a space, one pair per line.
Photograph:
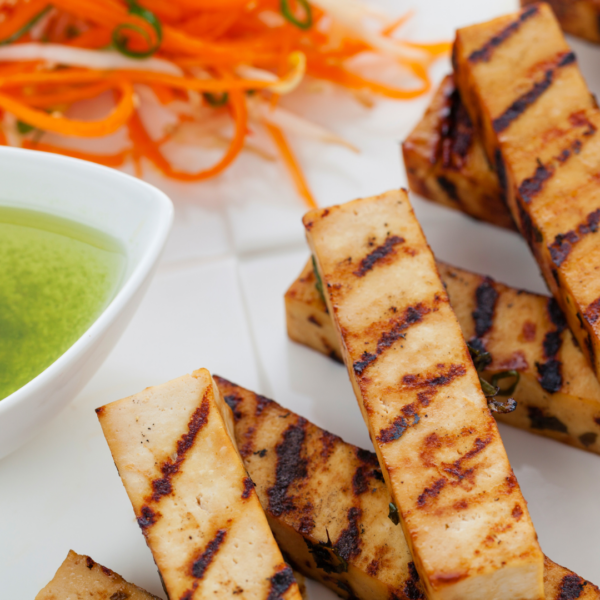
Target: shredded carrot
58, 124
222, 50
26, 12
292, 164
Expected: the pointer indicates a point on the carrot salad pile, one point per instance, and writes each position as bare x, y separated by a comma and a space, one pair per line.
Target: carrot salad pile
232, 59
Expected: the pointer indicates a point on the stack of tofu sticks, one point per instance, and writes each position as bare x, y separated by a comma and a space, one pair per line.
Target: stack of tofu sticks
230, 489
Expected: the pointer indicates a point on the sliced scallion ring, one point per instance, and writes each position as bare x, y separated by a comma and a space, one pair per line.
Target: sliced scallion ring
216, 100
17, 35
120, 40
506, 375
288, 13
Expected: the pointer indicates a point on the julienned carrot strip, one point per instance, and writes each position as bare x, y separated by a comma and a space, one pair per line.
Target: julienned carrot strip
108, 160
92, 39
353, 81
164, 9
150, 149
292, 164
41, 120
213, 36
20, 17
67, 96
149, 77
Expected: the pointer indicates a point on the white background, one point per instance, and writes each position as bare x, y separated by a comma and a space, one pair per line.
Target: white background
217, 302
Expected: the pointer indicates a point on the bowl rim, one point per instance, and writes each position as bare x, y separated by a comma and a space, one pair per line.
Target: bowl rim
164, 212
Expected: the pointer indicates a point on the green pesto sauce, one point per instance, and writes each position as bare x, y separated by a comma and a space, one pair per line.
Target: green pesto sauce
56, 277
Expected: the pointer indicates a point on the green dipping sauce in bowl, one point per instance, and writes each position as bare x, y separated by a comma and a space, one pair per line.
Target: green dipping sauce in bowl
56, 277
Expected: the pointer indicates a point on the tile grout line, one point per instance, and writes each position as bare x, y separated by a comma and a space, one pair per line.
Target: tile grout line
263, 380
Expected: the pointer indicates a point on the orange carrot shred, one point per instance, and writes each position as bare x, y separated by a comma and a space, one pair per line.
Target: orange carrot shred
292, 164
222, 50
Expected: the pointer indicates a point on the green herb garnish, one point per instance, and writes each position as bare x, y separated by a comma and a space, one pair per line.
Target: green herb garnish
24, 128
119, 36
216, 100
327, 556
394, 515
288, 13
481, 359
506, 375
319, 282
18, 34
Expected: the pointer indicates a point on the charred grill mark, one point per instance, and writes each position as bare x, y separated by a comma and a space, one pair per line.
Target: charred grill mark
412, 315
163, 486
329, 442
387, 248
531, 186
589, 438
556, 314
365, 360
550, 376
281, 583
261, 404
290, 467
370, 458
521, 104
147, 518
312, 319
201, 564
592, 312
501, 172
248, 487
527, 228
486, 298
408, 418
360, 480
539, 420
348, 543
448, 187
89, 562
550, 372
412, 586
552, 343
233, 402
307, 521
571, 587
431, 381
564, 242
456, 132
431, 493
373, 568
457, 470
484, 53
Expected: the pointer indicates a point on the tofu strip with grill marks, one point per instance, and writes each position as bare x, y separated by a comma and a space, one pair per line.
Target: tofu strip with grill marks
539, 125
80, 577
335, 527
445, 161
174, 448
419, 394
577, 17
558, 395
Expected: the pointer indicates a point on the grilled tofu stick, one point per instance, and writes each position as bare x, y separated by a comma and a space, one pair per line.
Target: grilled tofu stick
80, 577
458, 500
335, 526
539, 124
577, 17
445, 161
521, 331
173, 446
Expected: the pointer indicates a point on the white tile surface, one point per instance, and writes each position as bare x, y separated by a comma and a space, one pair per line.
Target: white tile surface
241, 232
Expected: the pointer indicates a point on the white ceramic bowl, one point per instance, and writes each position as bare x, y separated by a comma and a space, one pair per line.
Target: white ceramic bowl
133, 212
